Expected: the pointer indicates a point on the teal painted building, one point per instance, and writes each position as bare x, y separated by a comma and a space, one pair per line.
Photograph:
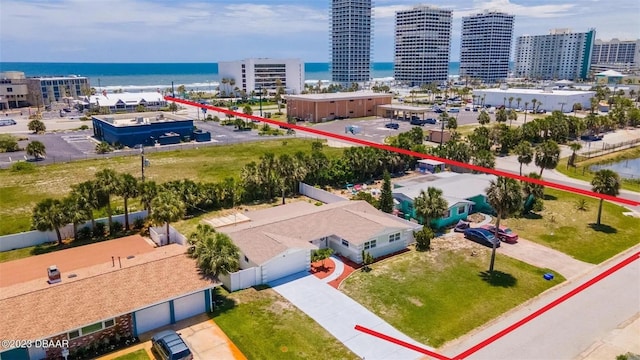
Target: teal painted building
464, 193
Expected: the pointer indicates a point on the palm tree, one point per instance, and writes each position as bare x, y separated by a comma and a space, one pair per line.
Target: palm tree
484, 118
532, 189
91, 196
167, 208
49, 214
36, 149
607, 182
107, 182
505, 197
526, 104
103, 147
76, 211
215, 252
510, 101
430, 205
547, 155
147, 191
524, 152
127, 188
575, 146
518, 99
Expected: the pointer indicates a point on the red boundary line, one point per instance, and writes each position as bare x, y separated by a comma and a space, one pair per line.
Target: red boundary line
413, 153
516, 325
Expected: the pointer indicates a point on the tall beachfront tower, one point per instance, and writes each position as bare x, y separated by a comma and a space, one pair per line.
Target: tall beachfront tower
485, 47
615, 54
351, 37
422, 45
560, 55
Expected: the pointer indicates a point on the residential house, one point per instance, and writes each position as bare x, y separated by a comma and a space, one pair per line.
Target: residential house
465, 194
125, 102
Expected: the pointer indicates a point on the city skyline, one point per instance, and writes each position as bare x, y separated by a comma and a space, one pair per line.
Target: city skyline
212, 31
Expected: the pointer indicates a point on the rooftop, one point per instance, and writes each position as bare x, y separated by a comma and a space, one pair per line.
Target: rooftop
514, 91
404, 108
455, 187
106, 99
339, 96
144, 118
273, 231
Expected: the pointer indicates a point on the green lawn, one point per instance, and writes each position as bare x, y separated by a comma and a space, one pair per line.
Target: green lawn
562, 227
582, 172
440, 295
20, 191
136, 355
265, 326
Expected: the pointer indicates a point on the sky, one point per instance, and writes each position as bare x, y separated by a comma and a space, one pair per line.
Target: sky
222, 30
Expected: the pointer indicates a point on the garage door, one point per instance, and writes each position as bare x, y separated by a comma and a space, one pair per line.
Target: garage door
152, 318
189, 306
285, 265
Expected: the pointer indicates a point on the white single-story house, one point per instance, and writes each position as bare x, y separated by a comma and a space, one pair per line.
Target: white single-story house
125, 102
102, 303
277, 242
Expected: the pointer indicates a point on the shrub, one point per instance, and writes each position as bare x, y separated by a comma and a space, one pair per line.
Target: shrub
8, 143
116, 228
99, 230
84, 233
423, 238
22, 166
83, 127
138, 223
581, 205
538, 205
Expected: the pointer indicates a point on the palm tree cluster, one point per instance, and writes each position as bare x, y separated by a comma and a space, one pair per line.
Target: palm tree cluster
215, 252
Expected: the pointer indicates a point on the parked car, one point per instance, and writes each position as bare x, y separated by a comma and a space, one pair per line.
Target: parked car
168, 345
394, 126
591, 137
431, 121
454, 110
541, 111
461, 226
415, 121
467, 109
504, 233
481, 236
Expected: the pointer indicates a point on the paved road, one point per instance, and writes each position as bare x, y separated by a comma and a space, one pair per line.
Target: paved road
568, 330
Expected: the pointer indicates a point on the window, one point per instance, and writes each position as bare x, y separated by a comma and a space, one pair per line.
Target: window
461, 209
91, 328
9, 89
394, 237
345, 243
109, 323
74, 334
370, 244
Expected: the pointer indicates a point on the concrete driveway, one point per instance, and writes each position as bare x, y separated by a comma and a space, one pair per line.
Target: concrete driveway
339, 314
544, 257
205, 339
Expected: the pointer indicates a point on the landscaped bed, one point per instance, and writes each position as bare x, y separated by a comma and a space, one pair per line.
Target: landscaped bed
442, 294
563, 227
265, 326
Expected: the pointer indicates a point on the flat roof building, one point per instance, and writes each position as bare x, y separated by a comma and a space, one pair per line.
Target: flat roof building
251, 75
148, 128
322, 107
560, 55
485, 48
422, 45
13, 90
351, 38
48, 89
619, 55
549, 100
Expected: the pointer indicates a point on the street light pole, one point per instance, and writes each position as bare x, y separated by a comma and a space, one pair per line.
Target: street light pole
142, 160
260, 101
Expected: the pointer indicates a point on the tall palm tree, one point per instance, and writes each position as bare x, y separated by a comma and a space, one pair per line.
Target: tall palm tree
49, 214
518, 99
533, 189
90, 196
267, 172
574, 146
510, 101
505, 197
533, 104
76, 211
547, 155
526, 105
107, 182
215, 252
430, 205
147, 191
484, 118
127, 188
167, 208
524, 152
607, 182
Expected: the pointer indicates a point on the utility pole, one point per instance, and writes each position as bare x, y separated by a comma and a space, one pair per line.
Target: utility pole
260, 101
142, 160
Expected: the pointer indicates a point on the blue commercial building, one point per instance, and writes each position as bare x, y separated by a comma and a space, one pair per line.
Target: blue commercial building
147, 128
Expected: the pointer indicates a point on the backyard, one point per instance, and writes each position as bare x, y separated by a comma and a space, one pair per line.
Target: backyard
20, 191
563, 227
440, 295
266, 326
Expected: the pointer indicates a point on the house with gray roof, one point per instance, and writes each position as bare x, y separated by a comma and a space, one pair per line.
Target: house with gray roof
278, 241
465, 194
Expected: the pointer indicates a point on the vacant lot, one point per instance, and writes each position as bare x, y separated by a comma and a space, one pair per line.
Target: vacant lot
565, 228
266, 326
20, 191
440, 295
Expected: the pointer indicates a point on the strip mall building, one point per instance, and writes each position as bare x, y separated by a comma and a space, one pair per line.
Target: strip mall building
323, 107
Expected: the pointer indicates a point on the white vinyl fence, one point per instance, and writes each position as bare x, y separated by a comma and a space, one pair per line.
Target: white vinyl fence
319, 194
242, 279
35, 237
159, 235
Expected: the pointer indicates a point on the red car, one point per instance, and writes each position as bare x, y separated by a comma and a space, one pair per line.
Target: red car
504, 233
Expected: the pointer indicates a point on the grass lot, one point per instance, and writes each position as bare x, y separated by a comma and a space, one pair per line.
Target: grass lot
582, 172
562, 227
20, 191
265, 326
136, 355
440, 295
466, 130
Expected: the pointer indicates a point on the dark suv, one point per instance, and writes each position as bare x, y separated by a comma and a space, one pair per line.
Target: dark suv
168, 345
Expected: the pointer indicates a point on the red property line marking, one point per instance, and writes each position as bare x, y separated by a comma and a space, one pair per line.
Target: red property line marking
412, 153
516, 325
401, 343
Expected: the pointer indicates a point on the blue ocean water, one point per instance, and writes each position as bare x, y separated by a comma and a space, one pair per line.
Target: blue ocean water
139, 76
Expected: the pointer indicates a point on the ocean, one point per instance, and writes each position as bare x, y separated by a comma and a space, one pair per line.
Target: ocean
152, 76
